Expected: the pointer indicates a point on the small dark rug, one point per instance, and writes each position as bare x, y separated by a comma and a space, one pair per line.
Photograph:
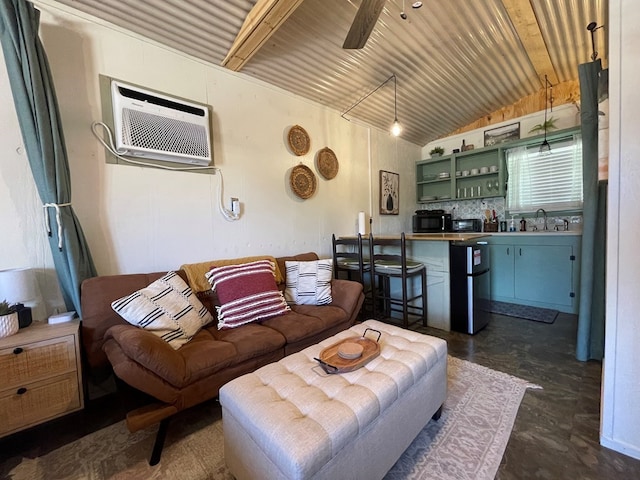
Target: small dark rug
537, 314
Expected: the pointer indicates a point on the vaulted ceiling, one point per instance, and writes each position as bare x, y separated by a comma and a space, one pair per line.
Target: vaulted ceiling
458, 63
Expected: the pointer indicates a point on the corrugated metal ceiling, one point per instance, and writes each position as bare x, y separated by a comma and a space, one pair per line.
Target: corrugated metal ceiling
455, 60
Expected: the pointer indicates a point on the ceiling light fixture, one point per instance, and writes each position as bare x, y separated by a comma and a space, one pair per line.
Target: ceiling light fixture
545, 148
396, 128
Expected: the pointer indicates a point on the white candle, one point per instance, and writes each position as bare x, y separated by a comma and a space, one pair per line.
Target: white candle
362, 224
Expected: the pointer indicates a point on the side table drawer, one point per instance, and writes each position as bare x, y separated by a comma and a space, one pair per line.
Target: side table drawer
36, 402
37, 360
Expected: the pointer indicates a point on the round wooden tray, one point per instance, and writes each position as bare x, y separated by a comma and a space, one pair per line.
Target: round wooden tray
303, 181
332, 362
299, 140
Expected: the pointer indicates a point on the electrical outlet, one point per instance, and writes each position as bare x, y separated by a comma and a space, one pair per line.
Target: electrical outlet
483, 204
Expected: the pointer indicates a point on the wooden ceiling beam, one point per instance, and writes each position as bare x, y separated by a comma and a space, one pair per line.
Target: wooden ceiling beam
262, 21
526, 24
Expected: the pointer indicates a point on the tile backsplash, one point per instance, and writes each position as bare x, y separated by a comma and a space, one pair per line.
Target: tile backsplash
474, 208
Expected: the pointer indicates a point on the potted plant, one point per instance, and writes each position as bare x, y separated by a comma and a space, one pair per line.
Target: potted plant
436, 152
8, 319
544, 127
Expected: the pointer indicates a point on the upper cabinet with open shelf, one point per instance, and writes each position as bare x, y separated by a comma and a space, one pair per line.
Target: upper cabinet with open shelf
470, 174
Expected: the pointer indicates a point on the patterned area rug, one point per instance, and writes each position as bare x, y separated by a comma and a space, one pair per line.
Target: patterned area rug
536, 314
467, 443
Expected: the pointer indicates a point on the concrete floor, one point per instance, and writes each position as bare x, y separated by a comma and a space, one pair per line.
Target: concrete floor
555, 435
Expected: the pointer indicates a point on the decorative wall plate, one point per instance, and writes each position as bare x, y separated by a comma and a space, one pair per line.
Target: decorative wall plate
303, 181
299, 141
327, 163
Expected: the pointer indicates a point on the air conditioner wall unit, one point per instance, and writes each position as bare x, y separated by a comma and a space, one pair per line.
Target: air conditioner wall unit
151, 125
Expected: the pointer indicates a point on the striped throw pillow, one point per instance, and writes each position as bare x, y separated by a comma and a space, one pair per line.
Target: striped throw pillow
309, 283
167, 308
247, 293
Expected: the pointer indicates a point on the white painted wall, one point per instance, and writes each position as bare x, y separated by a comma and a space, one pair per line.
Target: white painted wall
620, 419
141, 220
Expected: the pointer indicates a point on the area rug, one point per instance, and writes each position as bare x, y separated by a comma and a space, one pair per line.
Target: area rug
537, 314
467, 443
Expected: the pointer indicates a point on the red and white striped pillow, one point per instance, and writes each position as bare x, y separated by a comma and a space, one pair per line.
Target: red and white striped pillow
247, 292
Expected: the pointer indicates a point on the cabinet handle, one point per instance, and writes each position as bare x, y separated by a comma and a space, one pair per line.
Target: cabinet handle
18, 350
508, 248
21, 391
520, 252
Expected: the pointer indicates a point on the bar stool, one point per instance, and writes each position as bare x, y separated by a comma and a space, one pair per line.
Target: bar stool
348, 256
389, 257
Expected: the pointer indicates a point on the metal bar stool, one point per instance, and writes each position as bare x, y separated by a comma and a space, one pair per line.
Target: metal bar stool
348, 256
389, 257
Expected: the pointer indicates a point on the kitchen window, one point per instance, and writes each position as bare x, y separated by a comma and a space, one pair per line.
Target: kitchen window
552, 180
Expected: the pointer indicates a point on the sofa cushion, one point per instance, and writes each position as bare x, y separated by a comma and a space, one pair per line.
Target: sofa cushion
247, 292
305, 321
167, 308
309, 283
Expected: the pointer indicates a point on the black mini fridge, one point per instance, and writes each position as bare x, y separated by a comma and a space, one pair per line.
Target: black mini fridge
470, 286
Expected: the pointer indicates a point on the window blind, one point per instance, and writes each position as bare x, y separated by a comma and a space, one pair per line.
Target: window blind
552, 180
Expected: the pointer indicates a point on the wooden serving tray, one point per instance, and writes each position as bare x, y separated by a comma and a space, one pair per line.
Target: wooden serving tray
331, 362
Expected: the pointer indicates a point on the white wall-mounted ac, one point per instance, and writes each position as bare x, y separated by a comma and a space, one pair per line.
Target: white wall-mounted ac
156, 126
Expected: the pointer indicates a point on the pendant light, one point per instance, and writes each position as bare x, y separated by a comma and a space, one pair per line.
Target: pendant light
545, 148
396, 128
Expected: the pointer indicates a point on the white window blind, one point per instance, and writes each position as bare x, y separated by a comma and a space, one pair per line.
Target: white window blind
552, 181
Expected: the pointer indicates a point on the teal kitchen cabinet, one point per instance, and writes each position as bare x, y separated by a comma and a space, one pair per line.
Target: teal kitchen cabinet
502, 271
542, 270
476, 173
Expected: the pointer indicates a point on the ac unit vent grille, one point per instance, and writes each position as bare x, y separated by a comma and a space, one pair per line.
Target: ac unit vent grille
154, 132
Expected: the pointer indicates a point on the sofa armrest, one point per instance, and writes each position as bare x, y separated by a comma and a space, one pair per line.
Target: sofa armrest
347, 295
149, 351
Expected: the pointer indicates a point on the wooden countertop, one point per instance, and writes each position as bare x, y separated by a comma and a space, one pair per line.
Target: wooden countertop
464, 236
445, 237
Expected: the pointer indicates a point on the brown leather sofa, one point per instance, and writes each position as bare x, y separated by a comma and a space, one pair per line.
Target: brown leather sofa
179, 379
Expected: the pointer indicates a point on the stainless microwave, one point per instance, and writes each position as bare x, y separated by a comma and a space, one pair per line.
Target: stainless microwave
431, 221
466, 225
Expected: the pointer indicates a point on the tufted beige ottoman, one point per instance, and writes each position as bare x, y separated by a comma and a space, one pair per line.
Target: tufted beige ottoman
290, 420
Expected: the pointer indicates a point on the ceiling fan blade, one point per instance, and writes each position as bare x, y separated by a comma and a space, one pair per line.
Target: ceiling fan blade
363, 23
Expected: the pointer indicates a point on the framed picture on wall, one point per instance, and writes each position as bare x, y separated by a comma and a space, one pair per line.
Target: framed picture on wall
502, 134
389, 193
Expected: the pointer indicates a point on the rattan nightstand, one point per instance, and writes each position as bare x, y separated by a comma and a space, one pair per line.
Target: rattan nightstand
40, 375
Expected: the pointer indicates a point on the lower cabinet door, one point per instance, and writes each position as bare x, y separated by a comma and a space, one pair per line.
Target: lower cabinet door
502, 271
544, 274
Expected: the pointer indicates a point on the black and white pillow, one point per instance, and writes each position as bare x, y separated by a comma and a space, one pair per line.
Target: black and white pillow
167, 308
309, 283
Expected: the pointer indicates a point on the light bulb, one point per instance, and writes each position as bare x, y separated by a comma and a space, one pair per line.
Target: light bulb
396, 128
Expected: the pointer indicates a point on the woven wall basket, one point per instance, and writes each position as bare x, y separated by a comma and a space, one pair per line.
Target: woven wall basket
299, 141
303, 181
327, 163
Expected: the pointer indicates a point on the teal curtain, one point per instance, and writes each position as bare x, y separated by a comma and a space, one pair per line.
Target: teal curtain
591, 319
37, 109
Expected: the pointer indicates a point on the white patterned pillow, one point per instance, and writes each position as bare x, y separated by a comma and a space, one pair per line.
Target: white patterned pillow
309, 283
247, 292
167, 308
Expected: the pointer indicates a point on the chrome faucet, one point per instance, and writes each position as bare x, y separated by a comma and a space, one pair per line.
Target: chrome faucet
545, 216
